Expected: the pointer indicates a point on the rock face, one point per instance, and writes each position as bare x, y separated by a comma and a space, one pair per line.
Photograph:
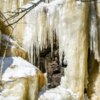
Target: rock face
52, 68
14, 49
50, 65
21, 80
53, 74
55, 81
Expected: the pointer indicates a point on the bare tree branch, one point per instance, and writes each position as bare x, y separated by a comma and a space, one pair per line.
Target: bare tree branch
15, 14
5, 19
2, 65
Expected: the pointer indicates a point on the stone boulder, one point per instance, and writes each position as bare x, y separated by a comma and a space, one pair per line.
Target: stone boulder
56, 78
52, 67
21, 80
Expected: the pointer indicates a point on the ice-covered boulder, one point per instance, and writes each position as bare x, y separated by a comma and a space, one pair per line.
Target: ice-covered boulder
21, 80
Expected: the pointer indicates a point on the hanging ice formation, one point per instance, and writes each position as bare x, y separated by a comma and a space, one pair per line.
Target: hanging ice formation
0, 39
94, 32
49, 18
46, 17
68, 18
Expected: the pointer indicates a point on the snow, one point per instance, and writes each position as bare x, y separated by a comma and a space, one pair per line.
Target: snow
20, 80
58, 93
2, 98
6, 37
36, 1
30, 4
18, 68
79, 2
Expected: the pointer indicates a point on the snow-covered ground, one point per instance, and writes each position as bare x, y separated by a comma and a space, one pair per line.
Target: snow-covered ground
58, 93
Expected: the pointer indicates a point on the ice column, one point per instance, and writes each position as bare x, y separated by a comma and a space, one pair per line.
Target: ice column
73, 42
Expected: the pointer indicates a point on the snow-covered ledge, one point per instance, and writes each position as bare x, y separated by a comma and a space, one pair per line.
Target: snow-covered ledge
21, 80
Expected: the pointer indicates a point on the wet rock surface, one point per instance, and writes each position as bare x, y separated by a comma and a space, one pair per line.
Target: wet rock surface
50, 65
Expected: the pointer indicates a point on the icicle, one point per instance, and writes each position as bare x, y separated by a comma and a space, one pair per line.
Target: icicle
32, 52
42, 36
94, 32
34, 55
40, 30
38, 55
29, 57
0, 40
51, 18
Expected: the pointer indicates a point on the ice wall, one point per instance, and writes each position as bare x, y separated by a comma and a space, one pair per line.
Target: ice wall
73, 43
68, 20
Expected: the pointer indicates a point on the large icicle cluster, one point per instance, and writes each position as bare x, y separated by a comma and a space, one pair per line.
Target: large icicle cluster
41, 27
47, 19
68, 20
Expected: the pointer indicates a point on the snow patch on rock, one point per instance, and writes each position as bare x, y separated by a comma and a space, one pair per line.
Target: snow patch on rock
18, 68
